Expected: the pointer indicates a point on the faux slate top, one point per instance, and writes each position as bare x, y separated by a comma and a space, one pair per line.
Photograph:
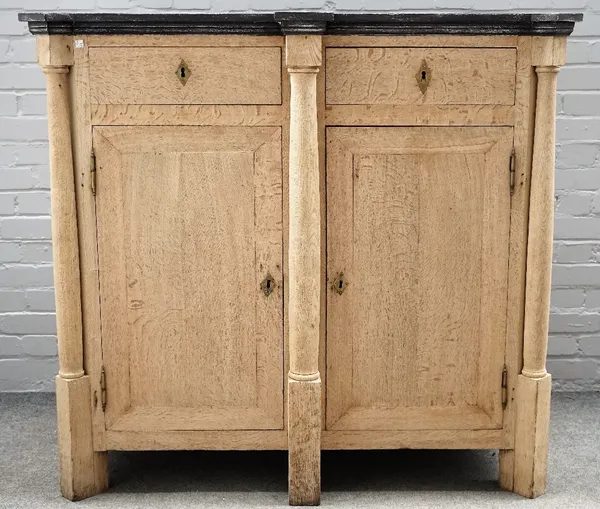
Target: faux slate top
303, 23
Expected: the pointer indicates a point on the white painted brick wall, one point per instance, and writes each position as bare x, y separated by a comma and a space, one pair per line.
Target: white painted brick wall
27, 325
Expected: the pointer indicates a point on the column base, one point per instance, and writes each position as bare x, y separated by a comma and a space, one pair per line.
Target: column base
531, 436
304, 442
83, 471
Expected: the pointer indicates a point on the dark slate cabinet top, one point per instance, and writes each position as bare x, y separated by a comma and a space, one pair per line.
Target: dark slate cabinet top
303, 23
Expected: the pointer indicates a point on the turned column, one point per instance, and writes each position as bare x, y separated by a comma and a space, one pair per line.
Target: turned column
303, 59
534, 383
83, 472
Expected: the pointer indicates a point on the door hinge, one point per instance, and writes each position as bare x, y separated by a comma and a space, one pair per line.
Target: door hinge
103, 388
512, 171
93, 172
504, 386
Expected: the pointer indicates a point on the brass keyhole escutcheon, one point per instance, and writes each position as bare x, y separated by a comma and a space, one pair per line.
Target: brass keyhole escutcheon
268, 285
339, 284
183, 72
423, 76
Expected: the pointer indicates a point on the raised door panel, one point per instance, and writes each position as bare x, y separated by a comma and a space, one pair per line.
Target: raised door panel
417, 233
189, 226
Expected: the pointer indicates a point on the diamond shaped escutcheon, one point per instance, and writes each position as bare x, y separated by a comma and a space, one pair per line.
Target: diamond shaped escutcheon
183, 72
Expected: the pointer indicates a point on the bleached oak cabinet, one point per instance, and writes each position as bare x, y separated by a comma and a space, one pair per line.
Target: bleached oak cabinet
302, 231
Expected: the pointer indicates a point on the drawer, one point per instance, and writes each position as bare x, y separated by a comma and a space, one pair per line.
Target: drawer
420, 75
132, 75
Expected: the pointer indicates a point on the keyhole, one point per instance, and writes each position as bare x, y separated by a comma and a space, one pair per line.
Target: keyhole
423, 75
341, 284
268, 284
182, 72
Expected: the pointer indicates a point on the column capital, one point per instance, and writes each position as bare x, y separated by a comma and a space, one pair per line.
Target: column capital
303, 53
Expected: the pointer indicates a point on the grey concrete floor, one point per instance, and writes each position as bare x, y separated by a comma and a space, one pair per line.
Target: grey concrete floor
351, 479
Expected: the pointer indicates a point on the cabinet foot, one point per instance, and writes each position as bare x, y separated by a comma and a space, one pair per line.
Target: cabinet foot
304, 442
83, 471
531, 439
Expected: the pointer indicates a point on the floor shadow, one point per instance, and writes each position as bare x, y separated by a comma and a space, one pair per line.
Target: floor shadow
266, 471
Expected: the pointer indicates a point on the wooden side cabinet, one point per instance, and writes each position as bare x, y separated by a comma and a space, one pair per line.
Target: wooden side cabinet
302, 231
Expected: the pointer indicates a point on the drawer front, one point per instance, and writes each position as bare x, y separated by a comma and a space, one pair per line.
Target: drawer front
210, 75
420, 75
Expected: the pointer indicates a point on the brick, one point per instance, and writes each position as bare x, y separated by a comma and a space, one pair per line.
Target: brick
572, 369
32, 154
27, 374
589, 25
562, 345
7, 155
40, 300
592, 299
26, 276
216, 5
573, 253
567, 298
573, 227
41, 177
72, 5
10, 346
12, 300
40, 346
9, 24
156, 4
579, 78
34, 203
577, 155
112, 4
36, 252
28, 323
10, 252
25, 228
590, 346
595, 52
576, 128
576, 275
574, 204
7, 204
4, 43
23, 128
581, 104
575, 322
8, 105
23, 50
33, 104
22, 77
16, 179
578, 52
387, 5
585, 180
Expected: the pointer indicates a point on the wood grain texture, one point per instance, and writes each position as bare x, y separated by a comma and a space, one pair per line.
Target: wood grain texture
531, 439
65, 251
304, 442
412, 439
88, 252
189, 224
161, 114
541, 226
196, 440
388, 76
417, 338
303, 56
419, 114
148, 75
83, 472
186, 40
523, 146
421, 41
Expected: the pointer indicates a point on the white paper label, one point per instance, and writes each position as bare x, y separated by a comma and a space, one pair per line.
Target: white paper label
79, 43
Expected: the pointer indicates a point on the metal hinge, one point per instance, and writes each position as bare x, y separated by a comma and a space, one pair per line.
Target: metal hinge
504, 386
93, 172
512, 171
103, 388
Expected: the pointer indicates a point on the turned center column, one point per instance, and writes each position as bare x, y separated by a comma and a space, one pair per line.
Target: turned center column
303, 60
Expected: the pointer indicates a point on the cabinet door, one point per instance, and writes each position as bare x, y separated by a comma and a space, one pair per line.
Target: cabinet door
189, 225
417, 234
